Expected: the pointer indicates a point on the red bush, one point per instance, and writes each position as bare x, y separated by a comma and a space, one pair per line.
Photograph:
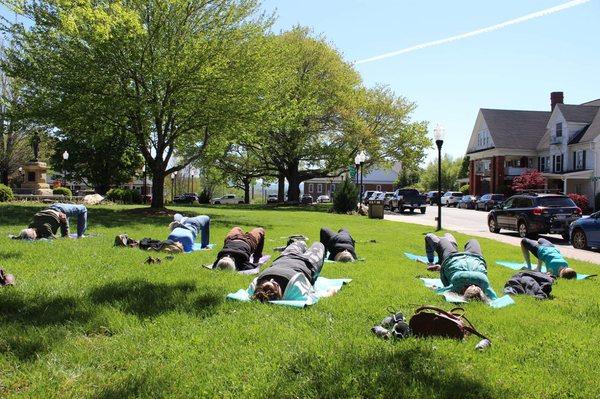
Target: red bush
529, 180
581, 201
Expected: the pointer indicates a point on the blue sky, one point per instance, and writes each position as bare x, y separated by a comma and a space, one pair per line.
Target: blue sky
513, 68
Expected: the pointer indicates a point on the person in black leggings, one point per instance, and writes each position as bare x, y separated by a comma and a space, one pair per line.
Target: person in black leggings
340, 245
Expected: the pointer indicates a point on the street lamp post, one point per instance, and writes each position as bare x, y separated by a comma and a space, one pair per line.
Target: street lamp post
363, 158
439, 136
172, 186
144, 187
65, 157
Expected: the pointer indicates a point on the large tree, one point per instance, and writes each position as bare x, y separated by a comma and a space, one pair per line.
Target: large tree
318, 116
175, 74
450, 171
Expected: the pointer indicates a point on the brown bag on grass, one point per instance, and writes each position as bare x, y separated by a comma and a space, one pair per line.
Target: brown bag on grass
429, 321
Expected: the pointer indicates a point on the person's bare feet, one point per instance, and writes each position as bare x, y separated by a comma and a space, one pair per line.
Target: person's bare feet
433, 268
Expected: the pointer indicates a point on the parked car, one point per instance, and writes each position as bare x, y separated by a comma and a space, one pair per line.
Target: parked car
451, 198
367, 194
467, 202
387, 198
227, 199
432, 197
306, 199
488, 201
585, 232
323, 198
186, 198
530, 214
408, 198
272, 199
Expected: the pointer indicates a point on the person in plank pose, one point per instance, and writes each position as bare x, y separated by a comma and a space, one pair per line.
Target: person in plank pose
47, 222
547, 254
241, 249
184, 230
464, 273
340, 245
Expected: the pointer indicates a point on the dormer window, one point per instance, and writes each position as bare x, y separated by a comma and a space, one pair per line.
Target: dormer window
559, 129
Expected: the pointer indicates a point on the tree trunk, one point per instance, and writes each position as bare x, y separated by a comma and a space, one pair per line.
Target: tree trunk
246, 191
101, 189
281, 188
294, 186
158, 189
5, 177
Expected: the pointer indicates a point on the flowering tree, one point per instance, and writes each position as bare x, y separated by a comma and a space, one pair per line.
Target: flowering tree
528, 180
581, 201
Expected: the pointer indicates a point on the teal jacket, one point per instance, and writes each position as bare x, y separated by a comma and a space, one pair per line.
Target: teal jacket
463, 269
552, 259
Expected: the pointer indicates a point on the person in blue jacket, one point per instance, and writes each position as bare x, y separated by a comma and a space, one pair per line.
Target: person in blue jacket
74, 211
548, 254
292, 275
464, 272
184, 230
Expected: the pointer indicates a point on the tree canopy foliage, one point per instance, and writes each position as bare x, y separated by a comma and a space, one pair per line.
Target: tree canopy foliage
450, 171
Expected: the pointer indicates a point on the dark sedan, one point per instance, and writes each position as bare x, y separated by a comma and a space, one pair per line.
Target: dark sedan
585, 232
489, 201
187, 198
467, 202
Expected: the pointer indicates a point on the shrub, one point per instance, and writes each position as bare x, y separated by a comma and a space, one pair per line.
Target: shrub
530, 179
464, 189
62, 191
6, 193
124, 195
581, 201
345, 197
204, 197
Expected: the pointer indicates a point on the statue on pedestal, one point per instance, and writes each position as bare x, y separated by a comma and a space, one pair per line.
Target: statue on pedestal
35, 145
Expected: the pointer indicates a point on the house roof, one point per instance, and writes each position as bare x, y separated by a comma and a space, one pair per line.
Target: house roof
578, 113
512, 128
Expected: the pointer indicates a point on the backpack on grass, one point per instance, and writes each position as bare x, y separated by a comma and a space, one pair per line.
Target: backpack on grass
429, 321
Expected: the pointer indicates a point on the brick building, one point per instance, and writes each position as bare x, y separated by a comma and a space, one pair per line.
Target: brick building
562, 143
378, 179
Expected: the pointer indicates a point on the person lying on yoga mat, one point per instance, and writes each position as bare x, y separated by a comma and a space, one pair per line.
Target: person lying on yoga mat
184, 230
240, 249
548, 254
46, 223
340, 245
464, 273
292, 275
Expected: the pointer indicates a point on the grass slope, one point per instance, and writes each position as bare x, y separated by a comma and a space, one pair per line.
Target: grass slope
87, 320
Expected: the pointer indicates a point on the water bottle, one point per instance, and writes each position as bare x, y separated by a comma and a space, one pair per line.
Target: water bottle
483, 344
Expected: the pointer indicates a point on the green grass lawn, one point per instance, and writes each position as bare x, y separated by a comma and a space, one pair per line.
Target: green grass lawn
87, 320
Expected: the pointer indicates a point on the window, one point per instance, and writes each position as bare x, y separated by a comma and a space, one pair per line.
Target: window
508, 204
559, 129
333, 187
319, 188
378, 187
558, 163
580, 160
311, 187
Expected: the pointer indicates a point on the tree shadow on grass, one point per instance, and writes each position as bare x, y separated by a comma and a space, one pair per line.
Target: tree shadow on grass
4, 255
31, 326
145, 299
412, 373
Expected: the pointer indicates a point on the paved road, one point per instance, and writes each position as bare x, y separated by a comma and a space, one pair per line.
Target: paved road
474, 223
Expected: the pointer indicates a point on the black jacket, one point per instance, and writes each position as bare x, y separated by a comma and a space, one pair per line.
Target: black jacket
241, 253
342, 241
532, 283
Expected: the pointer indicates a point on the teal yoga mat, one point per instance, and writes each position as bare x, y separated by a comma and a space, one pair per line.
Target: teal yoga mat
523, 266
418, 258
453, 297
198, 247
322, 286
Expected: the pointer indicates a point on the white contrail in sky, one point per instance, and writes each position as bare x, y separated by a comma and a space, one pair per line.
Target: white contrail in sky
492, 28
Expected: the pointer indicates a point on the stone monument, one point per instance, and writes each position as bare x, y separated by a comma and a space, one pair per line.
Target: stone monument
35, 171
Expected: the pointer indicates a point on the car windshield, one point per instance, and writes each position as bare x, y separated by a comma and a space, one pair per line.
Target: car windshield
498, 197
555, 202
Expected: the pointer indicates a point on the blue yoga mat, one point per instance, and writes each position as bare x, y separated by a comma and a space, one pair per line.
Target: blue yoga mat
198, 247
322, 286
453, 297
418, 258
523, 266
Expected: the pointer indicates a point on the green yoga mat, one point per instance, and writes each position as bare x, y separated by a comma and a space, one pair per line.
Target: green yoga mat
453, 297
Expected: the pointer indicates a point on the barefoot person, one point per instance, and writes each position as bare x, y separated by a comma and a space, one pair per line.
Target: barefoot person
47, 222
184, 230
340, 245
240, 249
464, 273
547, 254
292, 276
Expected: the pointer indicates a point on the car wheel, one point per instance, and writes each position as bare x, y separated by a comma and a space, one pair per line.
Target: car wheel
579, 239
493, 226
522, 229
217, 203
423, 210
412, 210
240, 202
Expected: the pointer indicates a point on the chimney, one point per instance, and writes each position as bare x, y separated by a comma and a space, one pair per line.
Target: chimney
556, 97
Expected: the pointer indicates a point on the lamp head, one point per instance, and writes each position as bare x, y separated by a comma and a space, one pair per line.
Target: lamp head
65, 155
